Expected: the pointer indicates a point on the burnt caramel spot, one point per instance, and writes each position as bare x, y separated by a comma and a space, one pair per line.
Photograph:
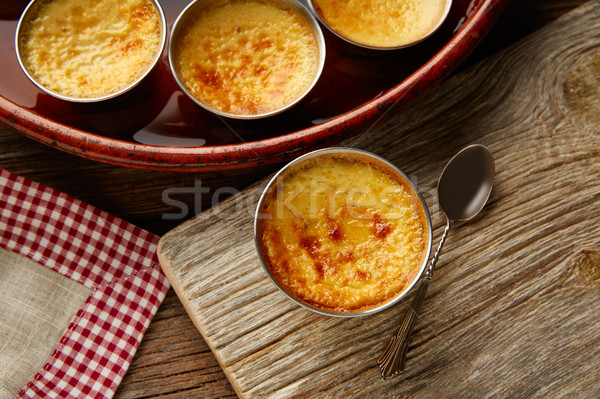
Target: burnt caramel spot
208, 77
381, 229
262, 43
285, 266
260, 70
132, 44
324, 267
246, 59
361, 275
319, 268
335, 232
310, 244
346, 257
242, 71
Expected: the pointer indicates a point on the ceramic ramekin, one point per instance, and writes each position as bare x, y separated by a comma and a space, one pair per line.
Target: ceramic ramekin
274, 189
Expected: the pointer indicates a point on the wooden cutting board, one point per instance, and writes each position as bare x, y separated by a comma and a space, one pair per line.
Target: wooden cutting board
512, 310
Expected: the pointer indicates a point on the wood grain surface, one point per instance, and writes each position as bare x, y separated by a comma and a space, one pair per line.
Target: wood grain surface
512, 308
174, 361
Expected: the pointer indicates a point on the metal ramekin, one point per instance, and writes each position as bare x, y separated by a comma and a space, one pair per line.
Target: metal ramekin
363, 46
196, 5
32, 8
361, 154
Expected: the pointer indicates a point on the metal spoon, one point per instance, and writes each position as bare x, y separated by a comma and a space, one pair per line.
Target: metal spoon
463, 189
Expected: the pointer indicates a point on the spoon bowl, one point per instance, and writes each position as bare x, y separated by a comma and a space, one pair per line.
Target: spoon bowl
463, 190
466, 183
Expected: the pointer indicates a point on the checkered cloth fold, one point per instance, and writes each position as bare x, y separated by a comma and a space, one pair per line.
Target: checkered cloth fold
114, 259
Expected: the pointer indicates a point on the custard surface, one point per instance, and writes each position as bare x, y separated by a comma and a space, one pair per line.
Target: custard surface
247, 57
342, 234
91, 48
381, 23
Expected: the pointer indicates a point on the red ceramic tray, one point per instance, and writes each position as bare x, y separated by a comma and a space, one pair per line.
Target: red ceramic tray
155, 126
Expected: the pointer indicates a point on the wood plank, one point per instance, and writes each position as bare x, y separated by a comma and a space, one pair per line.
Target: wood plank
512, 308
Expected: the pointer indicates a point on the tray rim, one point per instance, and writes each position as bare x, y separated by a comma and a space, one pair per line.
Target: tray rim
260, 152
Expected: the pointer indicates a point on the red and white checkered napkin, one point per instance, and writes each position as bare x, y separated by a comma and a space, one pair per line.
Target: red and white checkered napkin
113, 258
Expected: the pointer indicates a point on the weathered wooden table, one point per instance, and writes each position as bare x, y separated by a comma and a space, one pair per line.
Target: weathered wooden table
512, 309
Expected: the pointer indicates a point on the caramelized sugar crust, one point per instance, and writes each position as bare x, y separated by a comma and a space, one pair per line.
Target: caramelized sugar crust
343, 234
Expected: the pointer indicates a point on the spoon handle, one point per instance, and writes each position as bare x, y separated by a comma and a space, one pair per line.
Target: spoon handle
393, 359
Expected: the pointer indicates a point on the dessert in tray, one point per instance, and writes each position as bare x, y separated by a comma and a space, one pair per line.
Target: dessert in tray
246, 58
89, 50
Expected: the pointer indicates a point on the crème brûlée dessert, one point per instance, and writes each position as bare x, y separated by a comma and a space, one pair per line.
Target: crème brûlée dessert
246, 57
90, 48
381, 23
343, 234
